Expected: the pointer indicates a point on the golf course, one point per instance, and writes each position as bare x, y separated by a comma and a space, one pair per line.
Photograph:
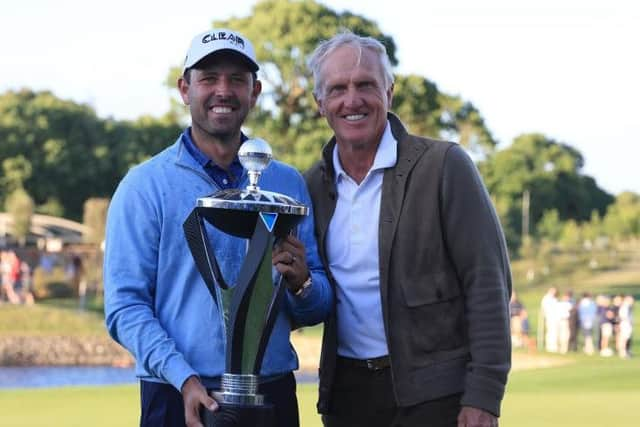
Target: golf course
544, 389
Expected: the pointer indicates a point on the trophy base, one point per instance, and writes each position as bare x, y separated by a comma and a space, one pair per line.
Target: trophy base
233, 415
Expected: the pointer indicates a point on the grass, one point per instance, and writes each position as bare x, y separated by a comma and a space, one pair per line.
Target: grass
591, 392
57, 317
99, 406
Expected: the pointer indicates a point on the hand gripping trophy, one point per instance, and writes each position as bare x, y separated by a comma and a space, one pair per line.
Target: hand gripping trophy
251, 305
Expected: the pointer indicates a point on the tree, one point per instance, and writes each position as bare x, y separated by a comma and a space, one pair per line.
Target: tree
551, 172
51, 207
16, 170
549, 226
284, 34
20, 207
57, 138
571, 236
622, 220
95, 218
427, 111
463, 123
63, 154
593, 229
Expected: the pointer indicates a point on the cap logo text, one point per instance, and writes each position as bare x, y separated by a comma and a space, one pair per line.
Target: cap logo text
222, 35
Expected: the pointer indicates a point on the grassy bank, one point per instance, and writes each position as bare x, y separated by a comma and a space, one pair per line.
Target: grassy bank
51, 317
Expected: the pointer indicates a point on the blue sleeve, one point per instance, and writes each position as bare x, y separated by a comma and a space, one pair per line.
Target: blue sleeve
315, 304
130, 269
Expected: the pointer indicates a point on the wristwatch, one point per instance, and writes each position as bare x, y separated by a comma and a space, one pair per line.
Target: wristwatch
307, 283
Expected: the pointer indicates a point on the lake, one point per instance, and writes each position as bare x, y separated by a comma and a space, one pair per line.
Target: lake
59, 376
62, 376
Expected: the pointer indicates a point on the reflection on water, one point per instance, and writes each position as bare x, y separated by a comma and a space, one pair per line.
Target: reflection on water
59, 376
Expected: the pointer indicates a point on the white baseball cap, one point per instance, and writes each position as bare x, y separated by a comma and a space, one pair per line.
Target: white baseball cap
216, 40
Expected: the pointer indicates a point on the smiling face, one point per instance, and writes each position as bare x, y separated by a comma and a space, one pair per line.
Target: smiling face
219, 93
353, 96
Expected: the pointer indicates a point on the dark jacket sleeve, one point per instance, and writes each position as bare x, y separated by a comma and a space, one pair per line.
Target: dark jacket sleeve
477, 248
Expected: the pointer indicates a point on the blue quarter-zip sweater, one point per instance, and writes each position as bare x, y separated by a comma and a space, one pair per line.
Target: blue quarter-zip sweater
157, 305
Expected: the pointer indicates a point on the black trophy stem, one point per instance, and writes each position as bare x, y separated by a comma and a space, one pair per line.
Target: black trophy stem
248, 311
205, 260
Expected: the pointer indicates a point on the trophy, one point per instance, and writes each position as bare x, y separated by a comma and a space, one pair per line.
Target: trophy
250, 306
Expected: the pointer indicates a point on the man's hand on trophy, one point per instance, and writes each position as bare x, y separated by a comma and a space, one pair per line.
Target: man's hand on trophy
195, 395
290, 260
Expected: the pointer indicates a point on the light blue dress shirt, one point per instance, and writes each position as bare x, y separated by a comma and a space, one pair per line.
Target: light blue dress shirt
352, 249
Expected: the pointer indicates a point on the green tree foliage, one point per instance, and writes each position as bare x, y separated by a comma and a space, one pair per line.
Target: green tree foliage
464, 124
51, 207
571, 238
55, 136
61, 151
285, 33
549, 226
551, 171
129, 143
427, 111
16, 170
95, 218
20, 207
593, 229
622, 220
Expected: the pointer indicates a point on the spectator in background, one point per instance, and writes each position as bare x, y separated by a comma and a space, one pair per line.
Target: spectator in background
587, 315
524, 334
625, 325
607, 324
10, 268
26, 280
549, 312
516, 310
602, 302
563, 308
573, 324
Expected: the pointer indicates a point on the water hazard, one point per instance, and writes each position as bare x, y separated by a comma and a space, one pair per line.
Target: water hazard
63, 376
60, 376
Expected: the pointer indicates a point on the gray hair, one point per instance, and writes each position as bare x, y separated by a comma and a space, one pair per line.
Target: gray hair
326, 47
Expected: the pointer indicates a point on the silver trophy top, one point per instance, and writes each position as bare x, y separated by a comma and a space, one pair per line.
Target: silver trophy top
255, 155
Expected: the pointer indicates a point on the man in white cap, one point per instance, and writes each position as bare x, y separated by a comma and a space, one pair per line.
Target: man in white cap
156, 303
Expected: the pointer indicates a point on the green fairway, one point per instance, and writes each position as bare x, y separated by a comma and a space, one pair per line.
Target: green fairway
590, 392
110, 406
70, 407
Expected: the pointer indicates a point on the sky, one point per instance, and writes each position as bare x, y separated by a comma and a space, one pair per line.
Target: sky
568, 69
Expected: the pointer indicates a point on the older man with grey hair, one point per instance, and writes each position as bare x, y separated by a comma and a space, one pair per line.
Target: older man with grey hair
415, 252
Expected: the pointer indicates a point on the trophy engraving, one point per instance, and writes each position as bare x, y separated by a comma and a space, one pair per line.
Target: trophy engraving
250, 306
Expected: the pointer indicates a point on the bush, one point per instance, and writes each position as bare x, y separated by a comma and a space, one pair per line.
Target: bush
52, 284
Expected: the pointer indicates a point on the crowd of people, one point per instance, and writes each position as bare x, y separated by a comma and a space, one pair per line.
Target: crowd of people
602, 325
16, 279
